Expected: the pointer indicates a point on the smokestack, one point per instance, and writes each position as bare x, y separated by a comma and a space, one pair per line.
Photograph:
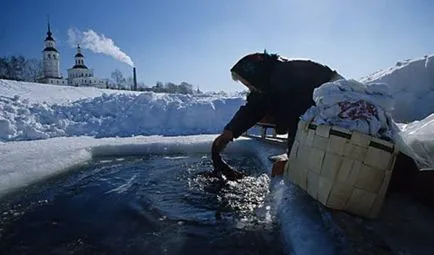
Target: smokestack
134, 79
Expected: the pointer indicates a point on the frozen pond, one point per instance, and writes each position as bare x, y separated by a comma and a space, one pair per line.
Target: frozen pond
155, 204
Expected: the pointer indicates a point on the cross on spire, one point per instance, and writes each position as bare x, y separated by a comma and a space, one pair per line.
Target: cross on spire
48, 23
49, 29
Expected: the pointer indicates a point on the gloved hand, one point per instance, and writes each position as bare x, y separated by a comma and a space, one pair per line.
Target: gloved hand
222, 140
220, 166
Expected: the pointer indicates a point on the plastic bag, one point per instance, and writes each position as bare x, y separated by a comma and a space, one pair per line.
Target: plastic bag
416, 140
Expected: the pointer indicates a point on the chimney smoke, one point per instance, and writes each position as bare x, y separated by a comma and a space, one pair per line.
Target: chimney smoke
97, 43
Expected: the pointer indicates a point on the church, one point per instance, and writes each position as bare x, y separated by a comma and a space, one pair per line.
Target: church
79, 75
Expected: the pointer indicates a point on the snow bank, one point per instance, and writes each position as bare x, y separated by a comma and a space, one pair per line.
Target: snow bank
36, 111
411, 83
111, 115
52, 94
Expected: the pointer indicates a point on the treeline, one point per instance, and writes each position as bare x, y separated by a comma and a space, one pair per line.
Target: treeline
20, 68
169, 87
119, 82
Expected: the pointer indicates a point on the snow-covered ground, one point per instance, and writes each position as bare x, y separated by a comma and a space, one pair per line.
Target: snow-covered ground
86, 122
39, 93
411, 83
31, 111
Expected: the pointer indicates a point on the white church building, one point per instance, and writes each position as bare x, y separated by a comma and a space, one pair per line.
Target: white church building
50, 62
79, 75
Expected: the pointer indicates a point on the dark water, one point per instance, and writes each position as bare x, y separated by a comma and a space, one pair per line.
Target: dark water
151, 205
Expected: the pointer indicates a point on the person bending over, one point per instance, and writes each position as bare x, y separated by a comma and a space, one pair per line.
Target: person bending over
279, 88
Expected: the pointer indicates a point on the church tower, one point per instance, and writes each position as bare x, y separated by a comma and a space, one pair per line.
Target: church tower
79, 59
50, 57
80, 75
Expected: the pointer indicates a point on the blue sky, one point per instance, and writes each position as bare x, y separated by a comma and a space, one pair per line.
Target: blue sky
198, 41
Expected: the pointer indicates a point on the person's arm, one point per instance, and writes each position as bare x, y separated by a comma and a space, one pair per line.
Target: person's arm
248, 115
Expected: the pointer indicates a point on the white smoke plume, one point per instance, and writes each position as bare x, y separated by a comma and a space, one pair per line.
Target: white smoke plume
97, 43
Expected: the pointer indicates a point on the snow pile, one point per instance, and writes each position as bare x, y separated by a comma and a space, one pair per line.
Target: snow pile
411, 84
111, 115
36, 111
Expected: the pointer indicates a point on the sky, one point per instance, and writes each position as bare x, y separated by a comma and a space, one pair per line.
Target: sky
198, 41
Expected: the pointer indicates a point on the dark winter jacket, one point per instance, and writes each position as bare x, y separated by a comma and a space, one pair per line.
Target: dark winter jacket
286, 90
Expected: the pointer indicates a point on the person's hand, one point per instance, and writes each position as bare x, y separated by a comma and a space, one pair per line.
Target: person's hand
222, 140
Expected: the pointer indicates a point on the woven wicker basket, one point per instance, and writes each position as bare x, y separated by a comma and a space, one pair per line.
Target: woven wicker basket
344, 170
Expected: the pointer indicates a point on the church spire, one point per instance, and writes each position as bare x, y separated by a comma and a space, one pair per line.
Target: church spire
79, 54
49, 38
79, 59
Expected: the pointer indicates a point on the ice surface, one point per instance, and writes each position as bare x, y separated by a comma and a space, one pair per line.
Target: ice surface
301, 222
26, 162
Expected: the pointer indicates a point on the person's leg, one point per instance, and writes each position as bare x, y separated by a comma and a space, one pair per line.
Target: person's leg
290, 143
292, 131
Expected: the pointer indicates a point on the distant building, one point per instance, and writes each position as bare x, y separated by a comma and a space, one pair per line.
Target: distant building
50, 62
78, 75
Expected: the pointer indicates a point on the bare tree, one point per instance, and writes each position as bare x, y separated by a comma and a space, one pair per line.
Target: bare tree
118, 78
130, 83
32, 70
20, 68
4, 66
